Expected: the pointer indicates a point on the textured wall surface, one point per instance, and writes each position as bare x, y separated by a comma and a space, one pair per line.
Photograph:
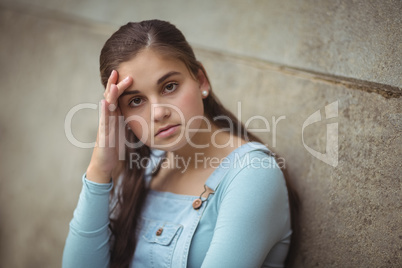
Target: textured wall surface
279, 59
356, 39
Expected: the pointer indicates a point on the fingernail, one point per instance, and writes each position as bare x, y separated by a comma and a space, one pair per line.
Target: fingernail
126, 79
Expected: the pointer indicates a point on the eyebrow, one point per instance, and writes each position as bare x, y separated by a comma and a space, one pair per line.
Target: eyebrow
129, 92
160, 81
166, 76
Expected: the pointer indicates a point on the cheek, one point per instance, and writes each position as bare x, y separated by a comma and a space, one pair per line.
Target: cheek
138, 125
191, 104
193, 110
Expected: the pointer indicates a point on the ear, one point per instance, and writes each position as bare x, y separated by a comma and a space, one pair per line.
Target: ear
203, 80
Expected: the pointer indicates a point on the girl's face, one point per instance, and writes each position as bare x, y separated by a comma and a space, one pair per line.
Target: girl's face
163, 106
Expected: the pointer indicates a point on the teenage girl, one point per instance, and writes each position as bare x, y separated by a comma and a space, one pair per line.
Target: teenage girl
174, 179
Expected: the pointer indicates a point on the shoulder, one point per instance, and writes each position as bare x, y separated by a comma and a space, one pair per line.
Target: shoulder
253, 170
255, 187
251, 158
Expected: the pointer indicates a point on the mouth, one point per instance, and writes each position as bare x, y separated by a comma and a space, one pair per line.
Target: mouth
167, 130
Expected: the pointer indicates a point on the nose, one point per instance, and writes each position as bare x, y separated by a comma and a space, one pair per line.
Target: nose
160, 112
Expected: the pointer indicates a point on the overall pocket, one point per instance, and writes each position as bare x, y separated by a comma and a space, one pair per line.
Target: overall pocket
157, 242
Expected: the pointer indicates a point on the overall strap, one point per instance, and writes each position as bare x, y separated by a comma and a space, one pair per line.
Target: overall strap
230, 161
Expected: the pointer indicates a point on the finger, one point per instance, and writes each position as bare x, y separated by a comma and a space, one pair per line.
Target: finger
118, 111
103, 125
111, 142
112, 80
117, 90
112, 97
123, 85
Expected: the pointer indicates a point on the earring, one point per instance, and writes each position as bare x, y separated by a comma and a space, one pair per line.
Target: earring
204, 93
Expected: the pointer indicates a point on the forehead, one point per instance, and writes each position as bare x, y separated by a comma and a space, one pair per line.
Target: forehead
149, 65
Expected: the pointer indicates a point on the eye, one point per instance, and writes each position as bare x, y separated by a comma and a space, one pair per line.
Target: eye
136, 102
169, 88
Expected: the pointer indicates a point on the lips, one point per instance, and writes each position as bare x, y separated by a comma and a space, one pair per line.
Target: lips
166, 131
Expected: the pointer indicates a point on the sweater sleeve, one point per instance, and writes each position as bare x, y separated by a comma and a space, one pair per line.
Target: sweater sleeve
253, 216
87, 243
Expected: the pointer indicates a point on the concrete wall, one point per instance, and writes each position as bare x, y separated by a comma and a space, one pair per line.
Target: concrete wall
279, 58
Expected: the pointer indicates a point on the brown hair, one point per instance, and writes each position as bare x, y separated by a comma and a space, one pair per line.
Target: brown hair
122, 46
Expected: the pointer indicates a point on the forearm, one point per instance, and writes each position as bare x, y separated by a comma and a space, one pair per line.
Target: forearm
87, 243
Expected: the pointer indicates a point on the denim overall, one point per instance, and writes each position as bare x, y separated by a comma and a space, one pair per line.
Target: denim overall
169, 222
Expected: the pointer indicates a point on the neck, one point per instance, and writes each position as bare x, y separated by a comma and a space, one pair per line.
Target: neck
206, 148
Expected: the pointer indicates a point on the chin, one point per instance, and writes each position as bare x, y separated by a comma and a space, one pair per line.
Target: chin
172, 144
168, 146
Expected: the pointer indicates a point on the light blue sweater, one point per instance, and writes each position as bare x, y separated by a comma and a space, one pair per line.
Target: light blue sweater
245, 223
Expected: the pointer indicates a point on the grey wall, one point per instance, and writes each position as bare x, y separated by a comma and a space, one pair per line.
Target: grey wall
279, 58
